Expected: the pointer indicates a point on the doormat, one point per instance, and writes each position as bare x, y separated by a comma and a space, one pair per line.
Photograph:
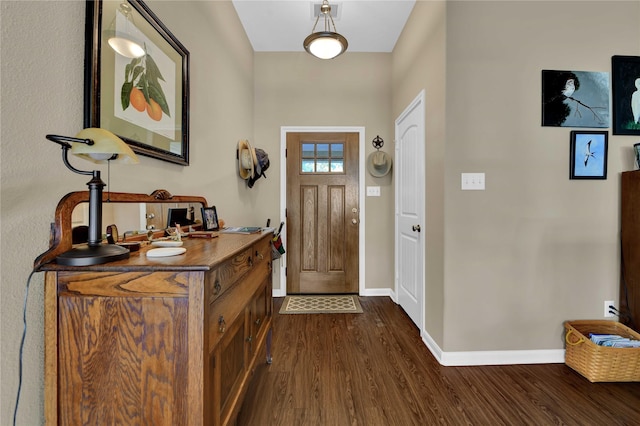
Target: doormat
345, 304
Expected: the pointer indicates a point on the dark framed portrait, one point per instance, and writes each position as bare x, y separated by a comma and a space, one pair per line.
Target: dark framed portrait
575, 98
625, 85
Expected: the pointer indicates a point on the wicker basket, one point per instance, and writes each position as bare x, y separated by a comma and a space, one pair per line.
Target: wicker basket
600, 363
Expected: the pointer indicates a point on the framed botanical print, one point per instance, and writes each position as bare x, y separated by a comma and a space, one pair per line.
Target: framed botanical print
137, 79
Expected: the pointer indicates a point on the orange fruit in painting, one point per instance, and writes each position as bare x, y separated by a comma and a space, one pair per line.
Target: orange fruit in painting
136, 97
154, 110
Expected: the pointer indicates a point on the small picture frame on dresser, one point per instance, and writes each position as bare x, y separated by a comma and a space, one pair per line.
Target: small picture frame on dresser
210, 219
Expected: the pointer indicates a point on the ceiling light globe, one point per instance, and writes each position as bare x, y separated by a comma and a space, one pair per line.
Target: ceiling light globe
325, 44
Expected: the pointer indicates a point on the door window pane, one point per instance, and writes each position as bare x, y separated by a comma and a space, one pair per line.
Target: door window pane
308, 150
322, 166
308, 166
322, 150
322, 157
337, 150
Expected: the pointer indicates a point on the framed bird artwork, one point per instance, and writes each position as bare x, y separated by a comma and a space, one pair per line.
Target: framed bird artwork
575, 99
588, 154
625, 76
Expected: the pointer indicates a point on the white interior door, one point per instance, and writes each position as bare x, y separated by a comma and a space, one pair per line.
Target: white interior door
410, 184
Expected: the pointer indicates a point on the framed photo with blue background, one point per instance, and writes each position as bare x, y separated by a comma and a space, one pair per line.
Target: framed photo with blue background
588, 154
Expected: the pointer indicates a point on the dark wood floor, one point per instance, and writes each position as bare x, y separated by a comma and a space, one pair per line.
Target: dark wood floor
373, 369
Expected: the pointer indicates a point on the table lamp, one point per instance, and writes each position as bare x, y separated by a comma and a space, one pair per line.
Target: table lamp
99, 146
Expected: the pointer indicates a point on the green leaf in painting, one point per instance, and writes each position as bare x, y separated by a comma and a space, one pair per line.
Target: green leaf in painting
155, 91
143, 85
152, 69
144, 74
125, 93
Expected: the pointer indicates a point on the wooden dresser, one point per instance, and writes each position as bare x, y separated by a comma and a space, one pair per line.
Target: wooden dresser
158, 341
630, 250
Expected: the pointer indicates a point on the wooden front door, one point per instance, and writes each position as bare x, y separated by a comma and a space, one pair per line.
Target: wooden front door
322, 213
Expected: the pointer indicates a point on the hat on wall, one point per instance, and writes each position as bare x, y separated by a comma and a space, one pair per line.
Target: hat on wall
245, 159
260, 165
379, 164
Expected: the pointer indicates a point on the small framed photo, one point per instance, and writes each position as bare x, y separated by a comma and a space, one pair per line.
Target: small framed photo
636, 152
210, 219
588, 154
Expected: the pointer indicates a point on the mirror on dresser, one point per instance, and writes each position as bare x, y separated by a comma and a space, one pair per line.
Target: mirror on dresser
138, 218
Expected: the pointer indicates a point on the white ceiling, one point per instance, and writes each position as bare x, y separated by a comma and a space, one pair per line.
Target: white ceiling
281, 26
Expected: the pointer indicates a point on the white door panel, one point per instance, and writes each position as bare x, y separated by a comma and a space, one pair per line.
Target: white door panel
410, 184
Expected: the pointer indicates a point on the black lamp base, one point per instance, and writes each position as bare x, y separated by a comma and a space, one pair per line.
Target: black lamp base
87, 255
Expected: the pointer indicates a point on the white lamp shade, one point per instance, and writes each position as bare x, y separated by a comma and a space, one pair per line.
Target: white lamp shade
105, 145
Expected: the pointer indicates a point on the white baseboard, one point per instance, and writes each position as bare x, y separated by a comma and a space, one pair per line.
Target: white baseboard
367, 292
376, 292
459, 359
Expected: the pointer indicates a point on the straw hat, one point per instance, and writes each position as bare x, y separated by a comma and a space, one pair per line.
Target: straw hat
245, 159
379, 164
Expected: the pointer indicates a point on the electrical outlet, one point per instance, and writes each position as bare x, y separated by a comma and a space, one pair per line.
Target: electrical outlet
608, 303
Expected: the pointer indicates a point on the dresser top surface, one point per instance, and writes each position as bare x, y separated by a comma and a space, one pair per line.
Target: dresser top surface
201, 254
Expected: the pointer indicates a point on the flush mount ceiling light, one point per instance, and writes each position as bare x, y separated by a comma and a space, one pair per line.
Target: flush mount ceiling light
325, 44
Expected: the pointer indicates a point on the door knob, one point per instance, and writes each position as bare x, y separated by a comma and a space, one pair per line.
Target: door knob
354, 221
416, 228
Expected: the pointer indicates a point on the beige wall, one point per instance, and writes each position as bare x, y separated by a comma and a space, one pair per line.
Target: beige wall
42, 92
419, 64
296, 89
535, 248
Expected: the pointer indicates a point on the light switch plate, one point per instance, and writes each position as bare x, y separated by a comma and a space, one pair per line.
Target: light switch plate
473, 181
373, 191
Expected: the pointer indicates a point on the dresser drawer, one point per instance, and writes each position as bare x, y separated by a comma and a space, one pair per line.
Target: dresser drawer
262, 252
224, 276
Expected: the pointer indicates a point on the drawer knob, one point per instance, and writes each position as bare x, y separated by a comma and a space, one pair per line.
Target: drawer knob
258, 321
217, 287
222, 325
250, 339
250, 261
259, 255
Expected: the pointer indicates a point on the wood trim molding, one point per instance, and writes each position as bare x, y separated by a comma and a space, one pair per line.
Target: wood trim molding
60, 239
